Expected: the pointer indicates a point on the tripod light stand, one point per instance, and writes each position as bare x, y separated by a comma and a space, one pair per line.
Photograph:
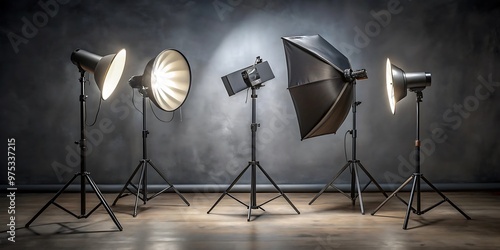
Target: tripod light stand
107, 73
253, 77
323, 89
397, 83
166, 80
353, 165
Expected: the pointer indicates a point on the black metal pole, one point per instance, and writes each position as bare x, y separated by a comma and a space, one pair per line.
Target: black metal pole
353, 151
417, 174
145, 159
417, 151
253, 188
83, 145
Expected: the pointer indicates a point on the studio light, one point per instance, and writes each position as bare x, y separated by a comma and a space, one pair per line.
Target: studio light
397, 83
251, 77
107, 72
323, 90
166, 81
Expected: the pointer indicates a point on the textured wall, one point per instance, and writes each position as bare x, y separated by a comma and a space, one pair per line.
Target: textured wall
208, 142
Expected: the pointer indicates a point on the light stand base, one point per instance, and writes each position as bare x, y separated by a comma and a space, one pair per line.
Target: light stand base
140, 190
83, 174
353, 166
253, 201
254, 164
82, 215
416, 177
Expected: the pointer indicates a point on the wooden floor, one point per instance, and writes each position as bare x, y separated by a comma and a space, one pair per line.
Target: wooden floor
165, 222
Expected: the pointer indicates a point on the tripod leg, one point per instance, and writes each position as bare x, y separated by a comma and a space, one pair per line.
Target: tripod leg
393, 194
103, 201
143, 167
445, 199
51, 201
352, 169
277, 188
372, 179
230, 186
252, 203
330, 183
249, 213
359, 190
129, 181
410, 202
170, 184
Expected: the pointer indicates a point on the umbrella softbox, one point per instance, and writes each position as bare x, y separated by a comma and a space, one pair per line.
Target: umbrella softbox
321, 94
322, 85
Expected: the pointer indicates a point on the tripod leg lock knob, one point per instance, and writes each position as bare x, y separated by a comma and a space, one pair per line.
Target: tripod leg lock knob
254, 126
